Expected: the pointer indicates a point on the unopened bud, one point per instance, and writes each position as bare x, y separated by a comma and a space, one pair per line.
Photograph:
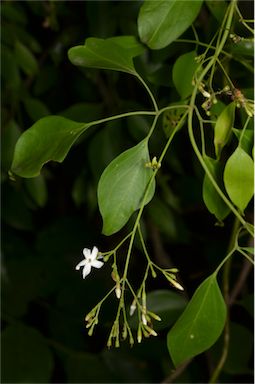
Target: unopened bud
132, 308
118, 291
144, 320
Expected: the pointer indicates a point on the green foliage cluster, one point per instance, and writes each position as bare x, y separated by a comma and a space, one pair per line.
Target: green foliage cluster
148, 106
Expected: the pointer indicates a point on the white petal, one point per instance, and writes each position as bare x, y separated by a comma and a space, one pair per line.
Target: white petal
94, 253
86, 270
81, 264
86, 253
97, 263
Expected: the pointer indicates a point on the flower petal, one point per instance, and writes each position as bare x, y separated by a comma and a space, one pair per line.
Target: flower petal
86, 253
97, 263
86, 270
81, 264
94, 253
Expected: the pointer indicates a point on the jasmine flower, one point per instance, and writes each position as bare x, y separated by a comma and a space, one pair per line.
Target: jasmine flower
90, 261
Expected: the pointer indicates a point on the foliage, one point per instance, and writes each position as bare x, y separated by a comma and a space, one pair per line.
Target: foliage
159, 170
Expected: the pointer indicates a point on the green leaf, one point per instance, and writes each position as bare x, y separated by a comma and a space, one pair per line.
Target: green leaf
200, 324
239, 178
161, 22
183, 72
48, 139
26, 349
247, 140
122, 186
223, 128
25, 59
114, 53
212, 200
244, 47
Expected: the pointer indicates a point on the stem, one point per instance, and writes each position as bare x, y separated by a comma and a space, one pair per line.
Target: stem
190, 116
127, 114
243, 130
143, 202
149, 92
244, 63
226, 276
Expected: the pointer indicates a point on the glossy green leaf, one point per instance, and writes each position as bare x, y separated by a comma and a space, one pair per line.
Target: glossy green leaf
183, 72
161, 22
48, 139
247, 140
122, 186
114, 53
239, 178
212, 200
25, 59
223, 128
200, 324
26, 357
244, 47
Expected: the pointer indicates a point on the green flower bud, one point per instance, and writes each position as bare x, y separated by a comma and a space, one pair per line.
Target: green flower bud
223, 128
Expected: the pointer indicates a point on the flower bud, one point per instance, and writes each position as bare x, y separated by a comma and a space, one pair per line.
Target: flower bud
132, 308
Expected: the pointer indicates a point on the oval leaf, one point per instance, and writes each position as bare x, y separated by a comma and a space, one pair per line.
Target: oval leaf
183, 72
48, 139
200, 324
115, 53
239, 178
122, 186
212, 200
161, 22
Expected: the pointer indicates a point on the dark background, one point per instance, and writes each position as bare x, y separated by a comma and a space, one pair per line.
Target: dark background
47, 221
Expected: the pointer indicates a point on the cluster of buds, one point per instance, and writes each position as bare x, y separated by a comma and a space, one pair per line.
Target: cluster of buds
235, 38
210, 99
241, 101
154, 164
92, 319
114, 337
145, 326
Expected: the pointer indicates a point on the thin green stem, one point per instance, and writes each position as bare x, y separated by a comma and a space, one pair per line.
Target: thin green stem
243, 130
244, 63
190, 117
225, 73
144, 200
243, 21
245, 255
149, 92
226, 277
127, 114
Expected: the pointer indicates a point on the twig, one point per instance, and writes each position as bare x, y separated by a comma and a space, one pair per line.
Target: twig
176, 373
247, 266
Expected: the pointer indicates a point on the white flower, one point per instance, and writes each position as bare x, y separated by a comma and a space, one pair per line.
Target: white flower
90, 261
